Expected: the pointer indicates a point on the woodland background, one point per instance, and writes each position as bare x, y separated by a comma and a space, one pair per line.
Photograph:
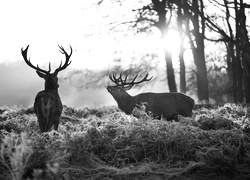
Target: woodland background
211, 63
105, 143
220, 75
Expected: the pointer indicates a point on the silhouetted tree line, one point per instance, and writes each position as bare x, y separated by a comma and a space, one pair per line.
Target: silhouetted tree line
235, 37
193, 21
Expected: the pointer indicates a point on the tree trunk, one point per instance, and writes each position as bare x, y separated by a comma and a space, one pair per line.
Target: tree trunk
181, 57
238, 54
232, 69
239, 74
231, 60
160, 7
247, 88
244, 45
198, 48
182, 72
170, 72
202, 81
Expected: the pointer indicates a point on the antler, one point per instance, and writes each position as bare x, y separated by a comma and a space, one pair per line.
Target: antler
67, 62
24, 53
117, 81
138, 82
127, 85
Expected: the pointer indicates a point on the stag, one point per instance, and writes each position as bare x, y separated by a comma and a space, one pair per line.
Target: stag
48, 106
166, 105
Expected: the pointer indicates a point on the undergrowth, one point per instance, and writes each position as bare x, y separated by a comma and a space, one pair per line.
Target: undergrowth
106, 143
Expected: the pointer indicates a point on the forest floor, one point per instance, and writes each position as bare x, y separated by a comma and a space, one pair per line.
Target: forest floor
106, 144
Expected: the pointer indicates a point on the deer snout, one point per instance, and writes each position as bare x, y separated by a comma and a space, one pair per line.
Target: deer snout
111, 89
108, 88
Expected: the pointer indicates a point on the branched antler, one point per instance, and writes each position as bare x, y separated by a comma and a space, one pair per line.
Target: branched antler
67, 62
127, 85
24, 54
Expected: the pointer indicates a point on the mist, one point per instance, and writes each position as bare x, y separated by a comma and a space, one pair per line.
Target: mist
77, 88
20, 84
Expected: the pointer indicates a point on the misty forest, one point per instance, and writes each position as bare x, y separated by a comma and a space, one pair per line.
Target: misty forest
180, 94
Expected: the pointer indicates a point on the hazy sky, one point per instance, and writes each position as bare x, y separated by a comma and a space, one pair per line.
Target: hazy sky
48, 23
45, 24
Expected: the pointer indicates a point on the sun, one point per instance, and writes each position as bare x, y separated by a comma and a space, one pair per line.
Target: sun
172, 42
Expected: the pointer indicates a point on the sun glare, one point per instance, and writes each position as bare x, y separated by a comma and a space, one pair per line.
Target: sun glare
172, 44
172, 41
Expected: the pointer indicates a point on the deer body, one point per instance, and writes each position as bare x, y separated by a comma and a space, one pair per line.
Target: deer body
48, 106
167, 105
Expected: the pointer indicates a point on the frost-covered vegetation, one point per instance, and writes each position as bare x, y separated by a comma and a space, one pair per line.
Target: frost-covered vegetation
105, 143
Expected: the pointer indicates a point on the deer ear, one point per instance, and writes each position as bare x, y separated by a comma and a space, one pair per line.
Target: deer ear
41, 74
128, 87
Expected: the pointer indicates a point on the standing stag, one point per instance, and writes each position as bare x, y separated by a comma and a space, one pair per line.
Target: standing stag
167, 105
48, 106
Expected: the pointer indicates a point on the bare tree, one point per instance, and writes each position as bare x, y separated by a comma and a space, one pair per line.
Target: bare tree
151, 15
235, 37
180, 22
194, 11
244, 47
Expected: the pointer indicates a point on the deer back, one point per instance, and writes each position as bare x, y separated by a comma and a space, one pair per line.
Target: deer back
167, 105
48, 108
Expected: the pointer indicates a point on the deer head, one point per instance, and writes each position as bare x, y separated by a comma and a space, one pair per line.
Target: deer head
51, 80
119, 90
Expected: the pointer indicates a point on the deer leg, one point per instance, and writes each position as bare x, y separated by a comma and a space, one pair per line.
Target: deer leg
56, 124
42, 129
175, 117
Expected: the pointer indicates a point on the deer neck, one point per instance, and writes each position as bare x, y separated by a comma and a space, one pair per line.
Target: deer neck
125, 102
51, 89
51, 86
